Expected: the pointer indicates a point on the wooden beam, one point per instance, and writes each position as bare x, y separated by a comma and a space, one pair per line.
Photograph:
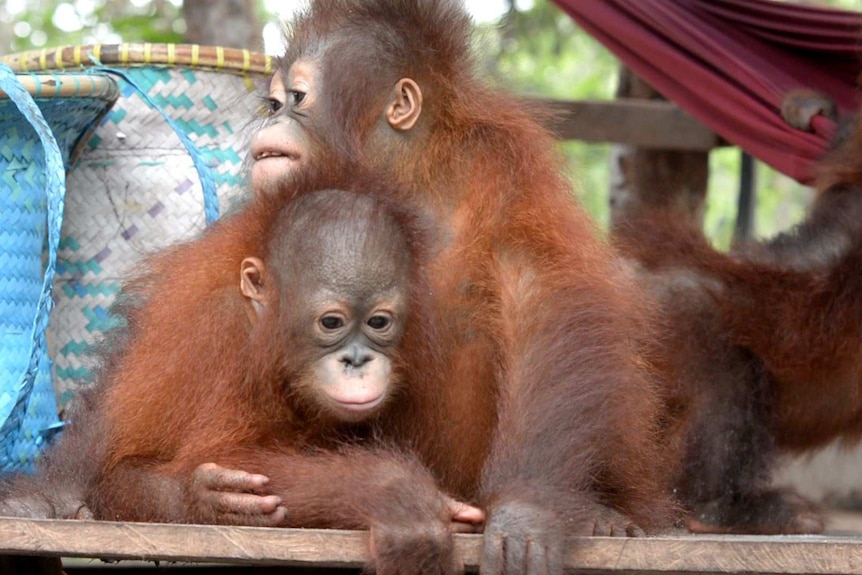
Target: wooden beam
348, 549
644, 123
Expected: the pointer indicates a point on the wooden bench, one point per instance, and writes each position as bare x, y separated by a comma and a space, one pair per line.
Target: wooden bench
22, 541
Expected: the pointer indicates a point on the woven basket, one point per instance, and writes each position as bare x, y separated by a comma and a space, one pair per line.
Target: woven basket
44, 118
135, 188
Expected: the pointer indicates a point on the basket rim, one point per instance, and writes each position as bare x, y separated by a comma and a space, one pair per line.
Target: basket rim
195, 56
67, 86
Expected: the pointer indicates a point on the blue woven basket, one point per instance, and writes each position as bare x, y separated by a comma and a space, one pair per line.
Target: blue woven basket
137, 187
43, 119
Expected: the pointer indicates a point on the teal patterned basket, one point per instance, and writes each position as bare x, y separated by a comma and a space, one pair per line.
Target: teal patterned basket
136, 188
44, 118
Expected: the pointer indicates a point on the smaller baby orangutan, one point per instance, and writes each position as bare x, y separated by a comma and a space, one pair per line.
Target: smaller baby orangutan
259, 363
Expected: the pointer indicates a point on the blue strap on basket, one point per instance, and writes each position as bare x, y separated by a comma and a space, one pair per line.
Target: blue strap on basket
211, 204
15, 395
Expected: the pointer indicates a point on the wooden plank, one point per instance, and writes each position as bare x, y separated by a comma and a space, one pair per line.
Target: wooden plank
348, 549
193, 543
645, 123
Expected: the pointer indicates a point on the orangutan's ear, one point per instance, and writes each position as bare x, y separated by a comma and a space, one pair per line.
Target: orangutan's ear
251, 282
404, 109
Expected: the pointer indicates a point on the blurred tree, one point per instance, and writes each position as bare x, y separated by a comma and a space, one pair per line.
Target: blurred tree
230, 23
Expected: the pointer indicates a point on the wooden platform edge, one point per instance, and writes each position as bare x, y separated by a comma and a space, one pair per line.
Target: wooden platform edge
331, 548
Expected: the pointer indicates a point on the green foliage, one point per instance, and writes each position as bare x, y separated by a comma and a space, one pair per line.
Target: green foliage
48, 23
722, 194
146, 28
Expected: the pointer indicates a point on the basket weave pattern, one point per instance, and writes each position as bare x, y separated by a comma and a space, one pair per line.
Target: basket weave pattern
134, 188
23, 209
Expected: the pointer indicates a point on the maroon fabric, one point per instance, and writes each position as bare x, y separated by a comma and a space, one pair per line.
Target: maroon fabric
730, 62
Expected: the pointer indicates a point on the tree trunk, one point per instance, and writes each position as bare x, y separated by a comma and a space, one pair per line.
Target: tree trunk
672, 181
228, 23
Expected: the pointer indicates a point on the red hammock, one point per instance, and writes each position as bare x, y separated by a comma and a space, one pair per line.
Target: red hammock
730, 62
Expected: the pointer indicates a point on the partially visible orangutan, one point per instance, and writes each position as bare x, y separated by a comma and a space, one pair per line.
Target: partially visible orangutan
800, 106
769, 338
540, 321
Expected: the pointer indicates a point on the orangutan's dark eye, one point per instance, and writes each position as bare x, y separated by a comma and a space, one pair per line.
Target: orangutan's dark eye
296, 97
379, 322
271, 106
331, 322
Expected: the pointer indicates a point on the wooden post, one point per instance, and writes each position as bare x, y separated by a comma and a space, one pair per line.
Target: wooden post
747, 202
671, 180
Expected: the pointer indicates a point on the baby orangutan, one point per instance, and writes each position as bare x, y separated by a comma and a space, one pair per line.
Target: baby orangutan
260, 380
